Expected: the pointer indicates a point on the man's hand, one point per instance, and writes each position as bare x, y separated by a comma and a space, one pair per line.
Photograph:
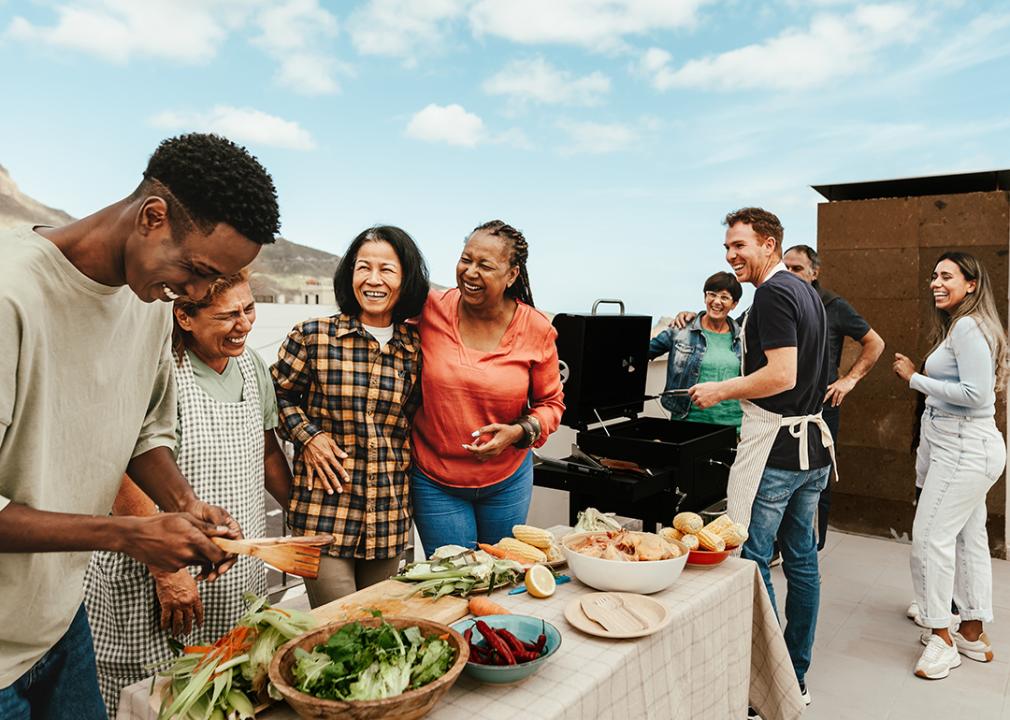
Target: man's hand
502, 436
903, 367
838, 390
683, 319
219, 518
322, 457
172, 541
705, 395
180, 602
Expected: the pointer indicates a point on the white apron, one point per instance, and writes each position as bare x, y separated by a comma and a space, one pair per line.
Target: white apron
758, 431
221, 454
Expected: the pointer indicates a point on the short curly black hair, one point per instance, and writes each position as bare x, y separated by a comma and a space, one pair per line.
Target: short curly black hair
215, 181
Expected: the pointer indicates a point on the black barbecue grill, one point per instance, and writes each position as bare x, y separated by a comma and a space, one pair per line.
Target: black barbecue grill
641, 467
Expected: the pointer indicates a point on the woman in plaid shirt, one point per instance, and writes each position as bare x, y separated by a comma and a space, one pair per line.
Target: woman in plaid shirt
347, 387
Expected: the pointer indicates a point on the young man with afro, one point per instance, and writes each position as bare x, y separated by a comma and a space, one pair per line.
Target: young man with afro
86, 394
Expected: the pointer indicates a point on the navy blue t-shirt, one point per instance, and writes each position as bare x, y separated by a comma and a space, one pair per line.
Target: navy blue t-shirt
787, 312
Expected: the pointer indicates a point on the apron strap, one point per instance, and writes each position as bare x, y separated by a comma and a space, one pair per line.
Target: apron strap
799, 425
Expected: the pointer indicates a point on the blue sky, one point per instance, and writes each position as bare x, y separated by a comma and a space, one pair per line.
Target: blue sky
615, 134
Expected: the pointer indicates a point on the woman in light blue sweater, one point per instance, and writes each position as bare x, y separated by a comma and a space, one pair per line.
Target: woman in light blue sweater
961, 454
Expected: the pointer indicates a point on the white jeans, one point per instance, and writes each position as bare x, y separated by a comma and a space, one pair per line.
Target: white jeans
959, 459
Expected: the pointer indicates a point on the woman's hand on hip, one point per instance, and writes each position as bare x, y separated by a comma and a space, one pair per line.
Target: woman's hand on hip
502, 436
903, 367
181, 607
322, 457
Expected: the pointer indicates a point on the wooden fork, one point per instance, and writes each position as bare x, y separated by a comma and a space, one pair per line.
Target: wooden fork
295, 555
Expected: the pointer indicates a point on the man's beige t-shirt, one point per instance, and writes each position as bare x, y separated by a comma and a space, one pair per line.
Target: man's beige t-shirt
85, 385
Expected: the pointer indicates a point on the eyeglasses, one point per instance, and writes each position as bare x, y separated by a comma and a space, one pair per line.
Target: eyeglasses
725, 297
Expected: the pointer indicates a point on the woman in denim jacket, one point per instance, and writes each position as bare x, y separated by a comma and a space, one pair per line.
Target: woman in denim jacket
706, 350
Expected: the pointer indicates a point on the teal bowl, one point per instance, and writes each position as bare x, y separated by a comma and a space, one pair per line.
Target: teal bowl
524, 627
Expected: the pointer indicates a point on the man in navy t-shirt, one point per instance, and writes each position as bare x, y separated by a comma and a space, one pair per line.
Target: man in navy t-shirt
783, 459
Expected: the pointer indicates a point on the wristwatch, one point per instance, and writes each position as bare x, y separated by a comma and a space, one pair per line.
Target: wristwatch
531, 430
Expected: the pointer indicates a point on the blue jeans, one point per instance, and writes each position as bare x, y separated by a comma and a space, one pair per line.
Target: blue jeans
447, 515
63, 685
784, 507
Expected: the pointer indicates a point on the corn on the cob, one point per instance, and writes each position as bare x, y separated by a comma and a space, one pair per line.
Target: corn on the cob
723, 521
690, 541
710, 541
669, 533
525, 550
537, 537
688, 522
734, 534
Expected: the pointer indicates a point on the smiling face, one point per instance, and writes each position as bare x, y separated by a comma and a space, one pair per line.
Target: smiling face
219, 331
949, 285
376, 281
799, 264
749, 254
160, 267
484, 270
718, 304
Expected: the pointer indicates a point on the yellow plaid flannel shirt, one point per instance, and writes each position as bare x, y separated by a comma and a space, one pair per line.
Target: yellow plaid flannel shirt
332, 377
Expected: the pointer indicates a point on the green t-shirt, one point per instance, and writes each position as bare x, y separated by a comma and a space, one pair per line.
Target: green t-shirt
719, 363
227, 386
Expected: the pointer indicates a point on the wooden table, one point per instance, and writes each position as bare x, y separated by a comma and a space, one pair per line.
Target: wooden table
722, 650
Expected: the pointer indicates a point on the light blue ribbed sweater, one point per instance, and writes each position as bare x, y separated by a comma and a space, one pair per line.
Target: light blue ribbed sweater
960, 374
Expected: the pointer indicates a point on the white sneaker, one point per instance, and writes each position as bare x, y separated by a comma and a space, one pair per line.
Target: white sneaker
937, 659
979, 650
913, 614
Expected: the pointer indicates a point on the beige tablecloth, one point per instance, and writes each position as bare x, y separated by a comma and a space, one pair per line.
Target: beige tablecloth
722, 650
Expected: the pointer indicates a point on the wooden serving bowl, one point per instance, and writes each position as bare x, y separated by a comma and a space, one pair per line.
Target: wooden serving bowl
406, 706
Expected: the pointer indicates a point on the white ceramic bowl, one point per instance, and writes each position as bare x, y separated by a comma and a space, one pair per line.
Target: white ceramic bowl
643, 577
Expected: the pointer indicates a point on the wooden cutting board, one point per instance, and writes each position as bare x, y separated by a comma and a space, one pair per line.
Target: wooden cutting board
393, 598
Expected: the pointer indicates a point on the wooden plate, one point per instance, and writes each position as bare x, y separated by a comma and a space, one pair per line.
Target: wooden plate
656, 612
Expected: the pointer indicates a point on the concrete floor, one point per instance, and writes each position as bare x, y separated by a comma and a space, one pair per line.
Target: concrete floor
866, 648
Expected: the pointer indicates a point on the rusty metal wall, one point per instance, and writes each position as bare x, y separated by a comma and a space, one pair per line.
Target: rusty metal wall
879, 255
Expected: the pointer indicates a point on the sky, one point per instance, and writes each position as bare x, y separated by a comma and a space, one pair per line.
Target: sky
615, 133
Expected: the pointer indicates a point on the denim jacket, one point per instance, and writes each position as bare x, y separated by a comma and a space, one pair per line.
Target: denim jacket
686, 348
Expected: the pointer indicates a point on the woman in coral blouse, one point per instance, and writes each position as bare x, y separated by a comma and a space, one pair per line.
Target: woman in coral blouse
491, 390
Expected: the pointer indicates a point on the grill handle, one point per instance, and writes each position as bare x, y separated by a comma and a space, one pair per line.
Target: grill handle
608, 301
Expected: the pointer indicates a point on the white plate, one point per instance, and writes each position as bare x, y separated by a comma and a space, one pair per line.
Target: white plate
656, 612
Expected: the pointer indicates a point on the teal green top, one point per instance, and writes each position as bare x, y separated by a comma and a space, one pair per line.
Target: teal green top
227, 386
719, 363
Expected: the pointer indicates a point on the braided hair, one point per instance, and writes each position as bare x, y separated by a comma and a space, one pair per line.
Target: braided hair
520, 252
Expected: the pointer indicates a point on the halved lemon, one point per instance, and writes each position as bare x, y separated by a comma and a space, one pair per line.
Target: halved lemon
540, 581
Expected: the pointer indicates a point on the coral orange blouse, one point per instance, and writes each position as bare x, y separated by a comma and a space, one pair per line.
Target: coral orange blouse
464, 389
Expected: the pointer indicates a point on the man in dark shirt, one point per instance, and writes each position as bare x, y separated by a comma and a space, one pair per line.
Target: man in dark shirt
784, 458
843, 321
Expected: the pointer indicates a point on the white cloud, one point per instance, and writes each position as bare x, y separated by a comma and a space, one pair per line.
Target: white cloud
832, 47
537, 80
595, 24
294, 33
597, 138
240, 124
403, 28
116, 30
450, 124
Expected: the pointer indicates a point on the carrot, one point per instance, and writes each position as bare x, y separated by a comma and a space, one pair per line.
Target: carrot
503, 554
481, 606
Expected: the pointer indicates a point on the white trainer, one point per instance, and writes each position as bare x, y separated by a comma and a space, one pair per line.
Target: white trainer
937, 659
913, 614
979, 650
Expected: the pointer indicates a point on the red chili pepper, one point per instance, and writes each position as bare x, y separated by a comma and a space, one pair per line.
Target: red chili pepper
479, 655
497, 643
515, 644
468, 635
540, 644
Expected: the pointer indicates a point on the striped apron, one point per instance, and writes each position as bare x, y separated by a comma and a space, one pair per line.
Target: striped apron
221, 454
758, 431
